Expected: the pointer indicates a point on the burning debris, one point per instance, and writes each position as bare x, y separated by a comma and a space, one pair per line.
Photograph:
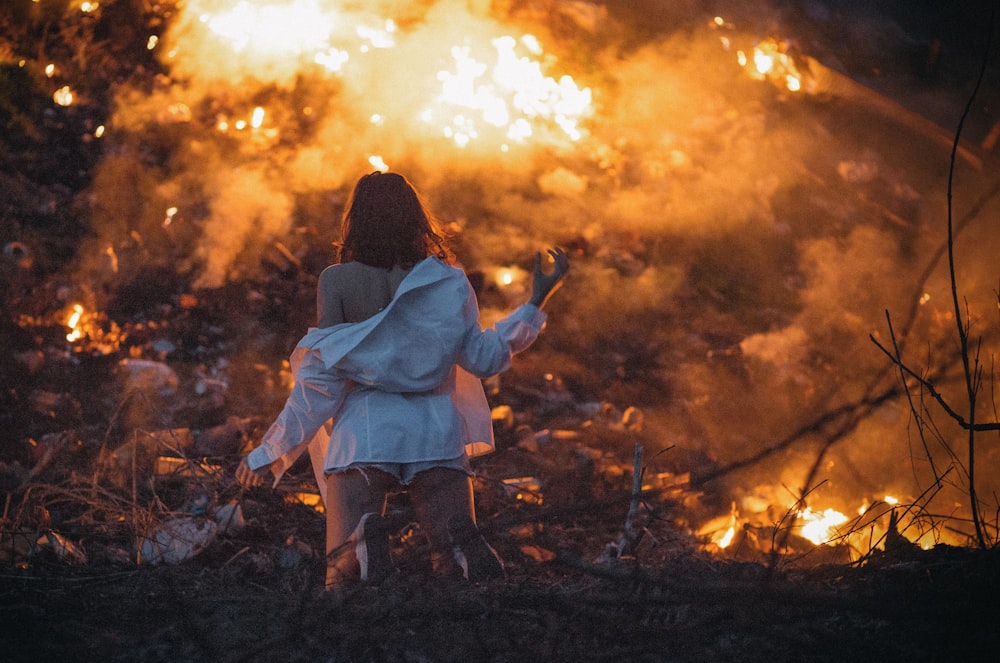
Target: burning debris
742, 215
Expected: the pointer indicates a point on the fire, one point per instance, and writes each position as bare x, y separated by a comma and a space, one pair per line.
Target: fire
266, 29
91, 332
505, 276
495, 91
63, 96
508, 95
74, 324
770, 60
722, 531
820, 526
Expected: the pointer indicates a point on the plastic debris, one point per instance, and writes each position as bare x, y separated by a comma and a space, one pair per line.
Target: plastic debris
64, 549
229, 518
293, 554
177, 541
148, 376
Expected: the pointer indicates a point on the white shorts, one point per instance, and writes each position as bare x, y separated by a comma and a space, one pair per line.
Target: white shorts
404, 472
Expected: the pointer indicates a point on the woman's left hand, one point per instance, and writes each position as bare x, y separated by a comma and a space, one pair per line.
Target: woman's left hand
251, 478
544, 284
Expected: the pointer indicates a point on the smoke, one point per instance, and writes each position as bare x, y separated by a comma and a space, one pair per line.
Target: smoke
739, 241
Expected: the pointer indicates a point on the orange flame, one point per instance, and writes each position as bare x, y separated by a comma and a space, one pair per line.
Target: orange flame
76, 332
504, 98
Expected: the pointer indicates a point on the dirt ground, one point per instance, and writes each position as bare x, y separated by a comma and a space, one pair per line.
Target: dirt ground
938, 608
255, 593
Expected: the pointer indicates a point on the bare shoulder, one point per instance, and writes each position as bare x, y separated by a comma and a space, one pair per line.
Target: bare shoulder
335, 277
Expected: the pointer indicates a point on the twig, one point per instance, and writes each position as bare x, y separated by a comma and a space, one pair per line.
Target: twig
629, 538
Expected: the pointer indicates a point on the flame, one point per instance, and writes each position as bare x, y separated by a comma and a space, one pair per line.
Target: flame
91, 332
727, 538
508, 95
505, 276
820, 526
722, 531
63, 96
266, 29
496, 90
76, 333
770, 60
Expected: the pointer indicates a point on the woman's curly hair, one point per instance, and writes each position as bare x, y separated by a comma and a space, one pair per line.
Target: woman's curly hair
386, 223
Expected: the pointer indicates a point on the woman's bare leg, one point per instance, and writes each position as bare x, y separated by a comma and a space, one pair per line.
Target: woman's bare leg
437, 495
349, 496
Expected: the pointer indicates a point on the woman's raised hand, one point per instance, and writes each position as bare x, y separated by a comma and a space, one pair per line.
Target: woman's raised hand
544, 284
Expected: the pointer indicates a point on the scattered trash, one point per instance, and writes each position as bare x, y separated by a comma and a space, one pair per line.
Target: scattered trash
174, 439
668, 482
184, 467
148, 376
503, 416
222, 440
199, 506
293, 554
163, 347
524, 489
534, 441
64, 549
229, 518
177, 541
16, 546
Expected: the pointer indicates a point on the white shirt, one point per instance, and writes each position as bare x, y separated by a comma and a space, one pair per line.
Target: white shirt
402, 385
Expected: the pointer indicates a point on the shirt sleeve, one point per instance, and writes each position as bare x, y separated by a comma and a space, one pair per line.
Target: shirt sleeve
315, 398
486, 352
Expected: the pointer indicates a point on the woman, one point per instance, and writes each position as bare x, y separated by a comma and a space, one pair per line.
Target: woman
394, 363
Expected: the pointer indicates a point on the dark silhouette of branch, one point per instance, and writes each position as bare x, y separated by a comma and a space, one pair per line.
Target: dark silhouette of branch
932, 390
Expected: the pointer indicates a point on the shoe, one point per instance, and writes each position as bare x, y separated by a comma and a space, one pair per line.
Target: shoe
372, 548
479, 561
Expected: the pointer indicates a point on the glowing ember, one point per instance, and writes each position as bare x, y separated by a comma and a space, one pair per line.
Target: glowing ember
257, 118
91, 332
820, 526
73, 323
63, 96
